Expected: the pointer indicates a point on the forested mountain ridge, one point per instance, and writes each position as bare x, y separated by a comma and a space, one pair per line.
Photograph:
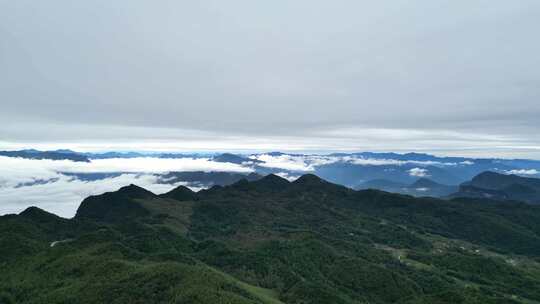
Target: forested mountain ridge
497, 186
273, 241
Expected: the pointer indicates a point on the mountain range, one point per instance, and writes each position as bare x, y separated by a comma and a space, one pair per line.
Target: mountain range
52, 155
349, 169
273, 241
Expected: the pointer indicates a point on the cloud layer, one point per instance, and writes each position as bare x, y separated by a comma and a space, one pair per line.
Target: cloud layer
15, 171
25, 182
306, 163
523, 172
418, 172
60, 185
63, 196
46, 183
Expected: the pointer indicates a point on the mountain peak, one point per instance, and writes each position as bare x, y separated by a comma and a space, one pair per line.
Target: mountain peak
253, 176
112, 206
241, 183
68, 151
270, 182
425, 183
31, 210
134, 191
489, 174
230, 158
37, 214
309, 179
180, 193
313, 183
274, 178
493, 180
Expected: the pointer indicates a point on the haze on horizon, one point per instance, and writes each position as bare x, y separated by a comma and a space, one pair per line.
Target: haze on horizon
453, 77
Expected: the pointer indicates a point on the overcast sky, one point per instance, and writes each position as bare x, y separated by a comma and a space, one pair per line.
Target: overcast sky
459, 77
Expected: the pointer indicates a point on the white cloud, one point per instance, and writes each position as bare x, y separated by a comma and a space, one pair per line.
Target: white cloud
14, 171
154, 165
288, 176
373, 162
523, 171
316, 160
418, 172
395, 162
286, 162
63, 196
309, 162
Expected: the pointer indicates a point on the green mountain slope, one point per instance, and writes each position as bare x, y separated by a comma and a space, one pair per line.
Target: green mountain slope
272, 241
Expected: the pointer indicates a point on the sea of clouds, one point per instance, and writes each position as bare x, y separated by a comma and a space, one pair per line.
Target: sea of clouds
41, 183
53, 185
48, 184
306, 163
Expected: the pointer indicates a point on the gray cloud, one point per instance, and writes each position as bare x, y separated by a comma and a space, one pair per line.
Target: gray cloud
433, 74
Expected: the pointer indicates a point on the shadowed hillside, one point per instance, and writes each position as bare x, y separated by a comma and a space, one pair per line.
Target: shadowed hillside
497, 186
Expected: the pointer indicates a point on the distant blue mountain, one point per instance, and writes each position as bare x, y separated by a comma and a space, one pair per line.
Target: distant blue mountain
421, 187
52, 155
232, 158
132, 154
106, 155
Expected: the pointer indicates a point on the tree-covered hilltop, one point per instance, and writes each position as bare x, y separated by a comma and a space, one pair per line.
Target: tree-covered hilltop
273, 241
